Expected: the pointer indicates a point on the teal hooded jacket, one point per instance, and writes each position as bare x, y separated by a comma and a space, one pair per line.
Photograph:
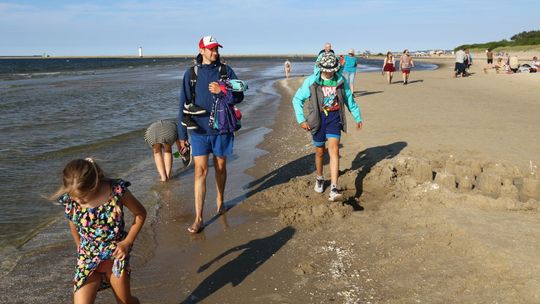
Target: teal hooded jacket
311, 91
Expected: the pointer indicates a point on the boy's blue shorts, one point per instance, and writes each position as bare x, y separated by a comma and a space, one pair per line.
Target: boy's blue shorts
219, 145
330, 128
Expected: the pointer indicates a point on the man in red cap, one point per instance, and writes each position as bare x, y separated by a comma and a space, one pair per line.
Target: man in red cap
199, 88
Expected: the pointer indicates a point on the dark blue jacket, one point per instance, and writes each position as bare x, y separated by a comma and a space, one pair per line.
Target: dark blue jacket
206, 74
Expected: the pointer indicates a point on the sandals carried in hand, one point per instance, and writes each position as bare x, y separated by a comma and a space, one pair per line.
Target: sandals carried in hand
186, 155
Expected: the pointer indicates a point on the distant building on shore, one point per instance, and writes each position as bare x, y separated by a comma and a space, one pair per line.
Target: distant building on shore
140, 52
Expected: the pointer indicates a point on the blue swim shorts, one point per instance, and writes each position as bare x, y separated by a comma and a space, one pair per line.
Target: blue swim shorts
330, 128
219, 145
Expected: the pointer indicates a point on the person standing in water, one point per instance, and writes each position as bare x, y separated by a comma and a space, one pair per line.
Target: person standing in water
160, 136
287, 67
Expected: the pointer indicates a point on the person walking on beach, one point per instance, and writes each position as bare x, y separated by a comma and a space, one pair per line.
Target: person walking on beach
349, 68
326, 50
206, 140
287, 67
459, 69
342, 60
327, 93
94, 206
405, 64
388, 66
468, 60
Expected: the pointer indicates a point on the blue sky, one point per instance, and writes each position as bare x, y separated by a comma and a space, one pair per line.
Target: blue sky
78, 28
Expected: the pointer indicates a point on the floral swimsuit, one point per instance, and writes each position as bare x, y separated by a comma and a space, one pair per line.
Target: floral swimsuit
100, 229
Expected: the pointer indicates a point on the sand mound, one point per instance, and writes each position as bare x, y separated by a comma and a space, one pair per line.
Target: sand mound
485, 184
298, 206
431, 177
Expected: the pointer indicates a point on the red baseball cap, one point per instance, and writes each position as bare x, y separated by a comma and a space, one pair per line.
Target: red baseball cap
208, 42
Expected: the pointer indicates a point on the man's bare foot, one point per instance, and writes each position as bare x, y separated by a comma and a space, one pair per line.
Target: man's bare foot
221, 210
196, 228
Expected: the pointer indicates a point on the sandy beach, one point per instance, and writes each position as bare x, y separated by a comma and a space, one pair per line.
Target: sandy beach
443, 194
403, 236
442, 205
442, 199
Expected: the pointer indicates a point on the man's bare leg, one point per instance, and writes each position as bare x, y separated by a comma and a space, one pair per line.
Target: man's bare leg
220, 166
199, 187
158, 159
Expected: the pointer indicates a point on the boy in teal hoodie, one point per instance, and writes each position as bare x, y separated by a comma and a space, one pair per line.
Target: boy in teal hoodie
328, 93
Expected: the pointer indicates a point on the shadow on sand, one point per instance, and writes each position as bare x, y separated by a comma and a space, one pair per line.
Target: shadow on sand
368, 158
410, 82
298, 167
365, 93
255, 253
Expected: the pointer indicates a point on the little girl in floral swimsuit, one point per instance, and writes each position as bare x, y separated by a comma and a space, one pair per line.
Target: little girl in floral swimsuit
94, 207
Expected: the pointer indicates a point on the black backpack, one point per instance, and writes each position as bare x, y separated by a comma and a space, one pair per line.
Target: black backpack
193, 80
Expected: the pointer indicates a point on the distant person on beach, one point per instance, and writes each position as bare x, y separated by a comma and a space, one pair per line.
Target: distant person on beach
160, 136
288, 68
489, 56
405, 64
206, 140
326, 117
388, 66
349, 68
468, 59
535, 62
507, 65
459, 68
94, 206
499, 65
326, 50
513, 63
535, 65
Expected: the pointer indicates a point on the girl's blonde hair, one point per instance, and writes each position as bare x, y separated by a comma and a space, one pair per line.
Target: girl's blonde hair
80, 177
